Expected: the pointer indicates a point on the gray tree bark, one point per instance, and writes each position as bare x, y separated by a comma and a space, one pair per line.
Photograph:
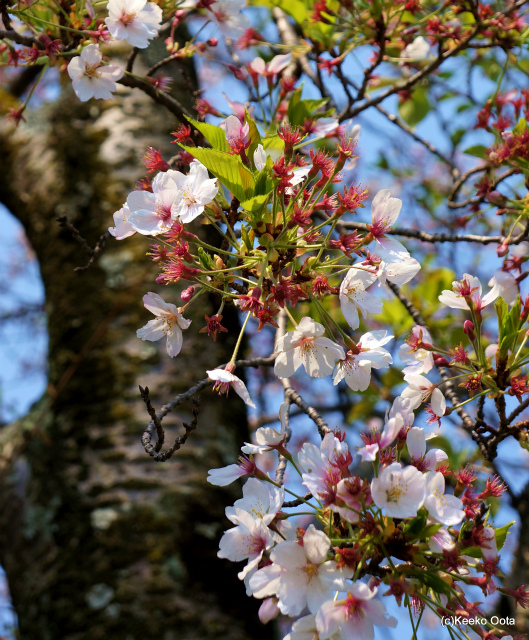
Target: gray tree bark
98, 540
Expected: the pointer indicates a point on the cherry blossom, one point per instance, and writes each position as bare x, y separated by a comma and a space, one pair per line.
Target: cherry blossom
416, 50
135, 21
385, 210
321, 465
465, 290
247, 541
354, 617
123, 228
92, 79
195, 191
419, 390
306, 346
228, 17
224, 378
446, 509
376, 441
259, 157
355, 369
416, 442
354, 296
261, 500
399, 491
300, 575
268, 70
169, 322
151, 212
413, 353
224, 476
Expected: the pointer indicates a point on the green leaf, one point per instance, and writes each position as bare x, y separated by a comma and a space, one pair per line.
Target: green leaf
478, 151
255, 204
295, 8
299, 110
501, 534
508, 324
415, 109
254, 135
228, 169
214, 135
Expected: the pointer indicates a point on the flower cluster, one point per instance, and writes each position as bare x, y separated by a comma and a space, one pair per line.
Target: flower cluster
416, 524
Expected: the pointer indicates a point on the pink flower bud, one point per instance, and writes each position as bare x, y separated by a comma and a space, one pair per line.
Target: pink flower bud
187, 294
268, 610
502, 249
440, 361
468, 328
213, 42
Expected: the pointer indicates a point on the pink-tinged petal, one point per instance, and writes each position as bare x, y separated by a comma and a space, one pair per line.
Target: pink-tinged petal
141, 201
438, 402
76, 68
369, 452
376, 610
433, 458
264, 583
83, 88
391, 250
153, 330
259, 66
157, 305
385, 208
174, 341
91, 55
225, 475
278, 63
316, 545
122, 229
289, 555
112, 73
103, 88
416, 441
452, 300
329, 619
242, 392
147, 223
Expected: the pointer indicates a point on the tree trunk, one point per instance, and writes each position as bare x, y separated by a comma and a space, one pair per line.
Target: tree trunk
97, 539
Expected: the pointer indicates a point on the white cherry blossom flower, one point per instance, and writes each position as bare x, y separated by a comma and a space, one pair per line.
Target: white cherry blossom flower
247, 541
399, 491
419, 390
228, 17
412, 353
354, 296
261, 500
195, 191
300, 575
321, 465
469, 288
136, 21
90, 78
507, 286
306, 346
385, 210
224, 378
416, 50
416, 441
355, 369
169, 322
123, 228
150, 213
272, 68
437, 407
354, 617
446, 509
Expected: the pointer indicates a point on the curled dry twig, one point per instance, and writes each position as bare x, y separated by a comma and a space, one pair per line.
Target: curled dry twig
155, 425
